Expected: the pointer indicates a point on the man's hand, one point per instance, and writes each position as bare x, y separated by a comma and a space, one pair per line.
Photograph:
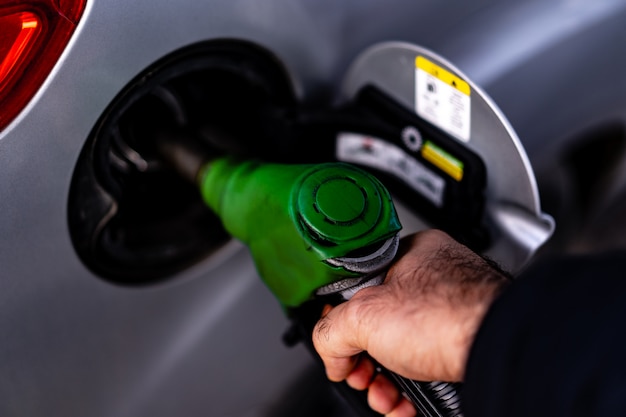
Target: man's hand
420, 323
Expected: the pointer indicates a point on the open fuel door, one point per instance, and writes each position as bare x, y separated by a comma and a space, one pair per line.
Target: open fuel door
431, 135
443, 147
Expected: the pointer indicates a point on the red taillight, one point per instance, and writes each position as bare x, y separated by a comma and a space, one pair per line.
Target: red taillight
33, 35
19, 33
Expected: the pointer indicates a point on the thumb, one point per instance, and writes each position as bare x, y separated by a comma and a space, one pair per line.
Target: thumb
335, 340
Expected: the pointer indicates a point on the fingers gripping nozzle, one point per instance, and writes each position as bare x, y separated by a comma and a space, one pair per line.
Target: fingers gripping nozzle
310, 228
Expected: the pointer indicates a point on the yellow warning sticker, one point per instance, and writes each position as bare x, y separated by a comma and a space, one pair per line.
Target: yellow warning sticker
442, 74
442, 98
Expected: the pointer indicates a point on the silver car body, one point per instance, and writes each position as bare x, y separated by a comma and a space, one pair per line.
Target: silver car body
208, 340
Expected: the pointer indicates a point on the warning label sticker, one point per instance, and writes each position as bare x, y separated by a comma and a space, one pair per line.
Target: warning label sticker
442, 98
382, 155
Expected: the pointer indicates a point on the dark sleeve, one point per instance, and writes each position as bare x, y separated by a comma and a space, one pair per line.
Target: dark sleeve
553, 344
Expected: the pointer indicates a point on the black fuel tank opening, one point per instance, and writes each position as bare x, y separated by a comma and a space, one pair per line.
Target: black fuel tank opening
131, 218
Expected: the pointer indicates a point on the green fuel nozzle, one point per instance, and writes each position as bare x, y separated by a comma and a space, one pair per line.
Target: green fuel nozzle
311, 229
